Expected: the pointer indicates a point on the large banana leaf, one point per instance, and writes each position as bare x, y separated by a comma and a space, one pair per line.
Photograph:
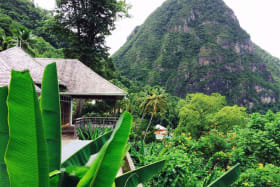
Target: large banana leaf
81, 157
140, 175
26, 154
227, 178
4, 136
109, 159
62, 179
50, 105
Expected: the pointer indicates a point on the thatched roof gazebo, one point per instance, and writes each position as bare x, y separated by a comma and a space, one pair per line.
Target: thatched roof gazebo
75, 79
81, 81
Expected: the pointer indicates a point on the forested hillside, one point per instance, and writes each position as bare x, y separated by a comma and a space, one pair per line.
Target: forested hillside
190, 46
66, 32
21, 23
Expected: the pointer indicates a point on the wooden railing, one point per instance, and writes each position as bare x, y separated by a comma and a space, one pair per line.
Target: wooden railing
102, 122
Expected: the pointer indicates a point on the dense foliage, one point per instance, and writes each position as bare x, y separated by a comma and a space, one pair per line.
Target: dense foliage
77, 30
30, 145
186, 46
20, 23
191, 161
198, 113
190, 46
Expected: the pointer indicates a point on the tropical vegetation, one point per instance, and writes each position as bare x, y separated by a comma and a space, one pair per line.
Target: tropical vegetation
190, 68
214, 145
31, 145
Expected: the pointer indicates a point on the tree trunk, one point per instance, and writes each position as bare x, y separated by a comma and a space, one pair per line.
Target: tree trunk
143, 115
148, 128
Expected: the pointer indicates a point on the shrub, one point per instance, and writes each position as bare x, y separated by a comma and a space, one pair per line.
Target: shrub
267, 175
254, 146
182, 169
211, 143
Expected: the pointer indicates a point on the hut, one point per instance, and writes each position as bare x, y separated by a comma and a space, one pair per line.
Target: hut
75, 79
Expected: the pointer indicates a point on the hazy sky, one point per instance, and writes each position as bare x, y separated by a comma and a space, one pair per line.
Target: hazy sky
260, 18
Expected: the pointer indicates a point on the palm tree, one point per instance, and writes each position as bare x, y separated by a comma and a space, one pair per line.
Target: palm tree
23, 37
6, 42
155, 104
143, 99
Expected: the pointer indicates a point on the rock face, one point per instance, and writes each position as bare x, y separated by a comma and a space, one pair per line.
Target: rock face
191, 46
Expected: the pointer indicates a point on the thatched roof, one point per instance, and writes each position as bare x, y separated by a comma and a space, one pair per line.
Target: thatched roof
15, 58
79, 80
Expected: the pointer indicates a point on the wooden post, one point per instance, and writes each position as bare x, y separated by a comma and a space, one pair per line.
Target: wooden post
71, 110
115, 106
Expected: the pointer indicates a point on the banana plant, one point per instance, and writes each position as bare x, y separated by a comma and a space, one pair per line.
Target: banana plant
105, 167
50, 106
4, 135
81, 157
227, 178
140, 175
33, 135
26, 153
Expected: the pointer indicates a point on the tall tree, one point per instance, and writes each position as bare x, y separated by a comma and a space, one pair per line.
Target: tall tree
155, 104
89, 21
197, 112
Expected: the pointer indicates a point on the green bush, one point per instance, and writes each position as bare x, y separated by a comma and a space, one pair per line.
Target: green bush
213, 142
199, 113
182, 169
267, 176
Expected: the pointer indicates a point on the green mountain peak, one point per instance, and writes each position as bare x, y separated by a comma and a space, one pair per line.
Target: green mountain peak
190, 46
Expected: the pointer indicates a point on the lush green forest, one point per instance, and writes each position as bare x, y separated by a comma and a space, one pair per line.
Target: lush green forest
190, 68
61, 33
22, 24
189, 46
225, 138
214, 77
206, 138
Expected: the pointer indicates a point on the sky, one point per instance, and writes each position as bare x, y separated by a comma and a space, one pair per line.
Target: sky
260, 18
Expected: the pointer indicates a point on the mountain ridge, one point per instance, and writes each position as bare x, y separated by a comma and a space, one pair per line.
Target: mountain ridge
190, 46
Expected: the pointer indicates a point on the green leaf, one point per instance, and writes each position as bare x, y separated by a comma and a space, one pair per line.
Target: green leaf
62, 179
81, 134
140, 175
50, 105
26, 154
127, 147
108, 161
77, 171
4, 136
81, 157
84, 131
227, 178
55, 173
90, 130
